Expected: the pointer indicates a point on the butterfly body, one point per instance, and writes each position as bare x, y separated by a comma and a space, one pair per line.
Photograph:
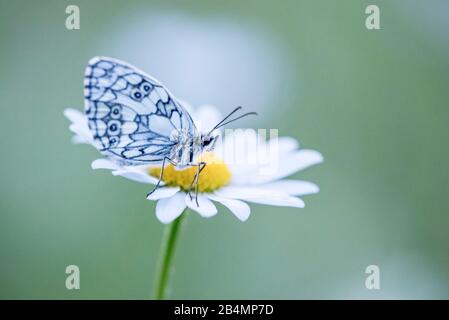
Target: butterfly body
186, 148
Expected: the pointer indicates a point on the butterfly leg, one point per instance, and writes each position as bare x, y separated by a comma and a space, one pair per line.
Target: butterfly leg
161, 174
200, 166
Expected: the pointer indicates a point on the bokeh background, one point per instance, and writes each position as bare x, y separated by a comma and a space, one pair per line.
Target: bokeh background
375, 103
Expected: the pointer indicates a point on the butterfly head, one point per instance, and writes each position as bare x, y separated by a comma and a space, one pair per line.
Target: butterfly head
208, 141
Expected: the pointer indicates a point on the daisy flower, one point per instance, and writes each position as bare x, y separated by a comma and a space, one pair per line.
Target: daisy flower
244, 167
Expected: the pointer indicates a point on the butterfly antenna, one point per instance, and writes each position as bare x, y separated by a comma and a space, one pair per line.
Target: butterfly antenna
223, 123
225, 118
235, 119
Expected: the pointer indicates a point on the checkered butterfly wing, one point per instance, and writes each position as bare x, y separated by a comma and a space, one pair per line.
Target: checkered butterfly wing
131, 115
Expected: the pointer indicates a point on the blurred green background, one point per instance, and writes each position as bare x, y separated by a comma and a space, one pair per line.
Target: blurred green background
375, 103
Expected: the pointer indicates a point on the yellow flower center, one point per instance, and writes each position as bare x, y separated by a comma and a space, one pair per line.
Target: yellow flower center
215, 174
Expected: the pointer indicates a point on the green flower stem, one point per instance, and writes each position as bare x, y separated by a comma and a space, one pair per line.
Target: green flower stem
166, 253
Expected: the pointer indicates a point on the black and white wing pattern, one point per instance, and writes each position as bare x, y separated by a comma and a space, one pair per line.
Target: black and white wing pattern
131, 115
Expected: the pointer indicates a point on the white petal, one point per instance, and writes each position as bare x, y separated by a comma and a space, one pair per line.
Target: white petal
161, 193
244, 192
292, 187
289, 164
239, 150
259, 195
239, 208
206, 207
135, 174
77, 139
168, 209
82, 134
79, 126
138, 173
283, 202
75, 116
285, 144
207, 116
104, 164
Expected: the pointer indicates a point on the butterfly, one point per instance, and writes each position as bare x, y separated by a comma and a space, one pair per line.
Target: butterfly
135, 120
